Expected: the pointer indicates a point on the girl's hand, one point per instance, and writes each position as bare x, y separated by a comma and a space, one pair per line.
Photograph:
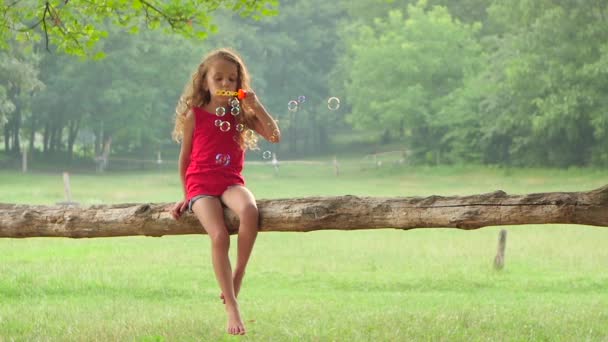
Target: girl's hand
250, 102
179, 208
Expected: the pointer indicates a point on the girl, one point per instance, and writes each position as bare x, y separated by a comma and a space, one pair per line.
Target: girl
214, 136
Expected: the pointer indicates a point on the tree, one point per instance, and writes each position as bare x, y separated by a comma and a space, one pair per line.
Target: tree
291, 55
19, 81
550, 73
129, 95
402, 71
76, 26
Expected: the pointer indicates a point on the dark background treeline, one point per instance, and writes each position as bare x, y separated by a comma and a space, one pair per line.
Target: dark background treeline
518, 83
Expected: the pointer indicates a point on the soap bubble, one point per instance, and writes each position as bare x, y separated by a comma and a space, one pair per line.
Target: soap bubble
234, 102
235, 110
301, 99
240, 127
292, 105
225, 126
266, 154
222, 159
218, 122
333, 103
220, 111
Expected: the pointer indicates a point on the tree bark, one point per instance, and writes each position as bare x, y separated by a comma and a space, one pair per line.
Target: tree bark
315, 213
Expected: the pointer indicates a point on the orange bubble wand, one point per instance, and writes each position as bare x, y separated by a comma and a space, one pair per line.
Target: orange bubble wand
240, 94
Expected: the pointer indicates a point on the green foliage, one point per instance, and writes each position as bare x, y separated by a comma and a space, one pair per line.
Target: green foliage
76, 27
552, 74
504, 82
129, 95
409, 75
290, 56
19, 80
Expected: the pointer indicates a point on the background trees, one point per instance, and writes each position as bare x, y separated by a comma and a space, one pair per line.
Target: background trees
502, 82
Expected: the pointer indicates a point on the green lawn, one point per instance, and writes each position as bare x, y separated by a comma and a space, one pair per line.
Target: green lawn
371, 285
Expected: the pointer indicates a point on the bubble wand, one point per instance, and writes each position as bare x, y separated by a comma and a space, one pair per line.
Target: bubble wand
241, 94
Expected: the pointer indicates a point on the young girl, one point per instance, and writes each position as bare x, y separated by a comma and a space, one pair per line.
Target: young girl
214, 136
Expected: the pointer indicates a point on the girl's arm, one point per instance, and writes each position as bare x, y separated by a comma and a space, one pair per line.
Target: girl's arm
264, 124
184, 154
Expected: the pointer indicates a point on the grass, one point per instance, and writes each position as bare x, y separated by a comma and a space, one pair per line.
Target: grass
369, 285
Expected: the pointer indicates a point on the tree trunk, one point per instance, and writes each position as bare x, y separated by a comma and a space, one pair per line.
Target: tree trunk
323, 139
307, 145
7, 137
52, 138
386, 137
315, 213
16, 130
46, 138
32, 134
59, 138
73, 127
293, 137
56, 137
99, 139
15, 121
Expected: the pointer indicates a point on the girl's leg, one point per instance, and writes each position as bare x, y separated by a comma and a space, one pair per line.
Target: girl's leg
240, 200
210, 213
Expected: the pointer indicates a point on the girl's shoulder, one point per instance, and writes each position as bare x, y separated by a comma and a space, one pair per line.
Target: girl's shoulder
201, 117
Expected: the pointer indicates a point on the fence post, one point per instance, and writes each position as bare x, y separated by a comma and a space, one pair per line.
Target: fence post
499, 260
275, 164
66, 187
24, 160
336, 167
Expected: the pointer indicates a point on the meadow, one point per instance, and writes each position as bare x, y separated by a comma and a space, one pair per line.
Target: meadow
369, 285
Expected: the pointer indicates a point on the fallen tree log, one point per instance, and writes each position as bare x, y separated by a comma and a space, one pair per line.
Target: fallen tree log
315, 213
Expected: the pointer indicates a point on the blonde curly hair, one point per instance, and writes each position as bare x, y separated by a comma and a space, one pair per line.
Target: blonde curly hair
194, 95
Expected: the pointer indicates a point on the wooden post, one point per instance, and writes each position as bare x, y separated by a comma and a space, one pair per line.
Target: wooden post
159, 160
105, 155
275, 164
336, 167
403, 157
499, 260
66, 187
24, 160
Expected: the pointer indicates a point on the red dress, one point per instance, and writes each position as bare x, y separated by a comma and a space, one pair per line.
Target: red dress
216, 158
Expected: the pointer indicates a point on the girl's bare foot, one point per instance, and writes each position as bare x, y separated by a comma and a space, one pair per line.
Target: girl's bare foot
237, 280
235, 323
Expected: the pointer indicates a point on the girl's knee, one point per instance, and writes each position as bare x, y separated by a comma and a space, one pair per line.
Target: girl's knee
249, 211
219, 238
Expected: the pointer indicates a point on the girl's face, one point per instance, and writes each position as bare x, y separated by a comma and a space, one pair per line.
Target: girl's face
222, 75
